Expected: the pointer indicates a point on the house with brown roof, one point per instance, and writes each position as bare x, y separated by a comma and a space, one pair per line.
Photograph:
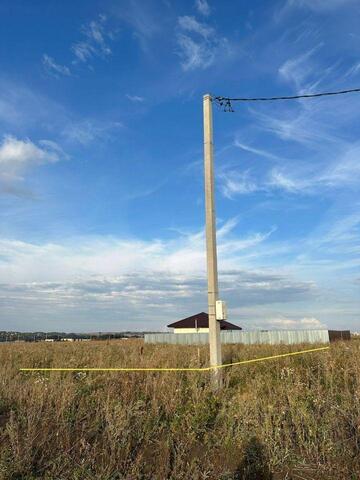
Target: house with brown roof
199, 323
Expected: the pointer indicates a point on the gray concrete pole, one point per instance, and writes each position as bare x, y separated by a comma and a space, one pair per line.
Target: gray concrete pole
211, 254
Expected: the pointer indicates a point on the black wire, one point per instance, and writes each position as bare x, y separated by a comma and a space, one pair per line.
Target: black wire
226, 101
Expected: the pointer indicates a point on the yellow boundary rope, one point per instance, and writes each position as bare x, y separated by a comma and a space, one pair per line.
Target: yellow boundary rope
185, 369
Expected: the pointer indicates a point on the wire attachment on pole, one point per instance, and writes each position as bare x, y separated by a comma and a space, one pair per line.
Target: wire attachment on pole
224, 104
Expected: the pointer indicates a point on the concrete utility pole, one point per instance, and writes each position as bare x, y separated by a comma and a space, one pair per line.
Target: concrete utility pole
211, 254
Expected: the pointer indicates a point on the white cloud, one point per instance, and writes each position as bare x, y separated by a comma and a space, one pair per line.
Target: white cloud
203, 7
353, 70
230, 247
256, 151
194, 54
116, 281
87, 131
199, 44
346, 170
340, 235
122, 279
23, 108
298, 69
340, 172
319, 5
286, 323
227, 227
110, 256
280, 180
54, 68
135, 98
314, 133
19, 156
115, 302
237, 183
145, 21
304, 124
94, 43
190, 24
311, 322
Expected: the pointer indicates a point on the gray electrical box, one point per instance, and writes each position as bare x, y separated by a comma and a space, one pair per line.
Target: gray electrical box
221, 310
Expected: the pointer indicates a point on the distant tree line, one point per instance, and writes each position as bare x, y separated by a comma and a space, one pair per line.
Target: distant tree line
6, 336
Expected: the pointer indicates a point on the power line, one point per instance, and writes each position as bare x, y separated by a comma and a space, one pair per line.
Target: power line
226, 102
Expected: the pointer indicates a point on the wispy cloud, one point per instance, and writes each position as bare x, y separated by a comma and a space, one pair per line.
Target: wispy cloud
319, 5
23, 109
340, 233
87, 131
199, 44
194, 54
53, 68
234, 183
94, 43
296, 177
341, 172
317, 156
353, 70
279, 180
301, 125
256, 151
298, 69
203, 7
144, 18
135, 98
190, 24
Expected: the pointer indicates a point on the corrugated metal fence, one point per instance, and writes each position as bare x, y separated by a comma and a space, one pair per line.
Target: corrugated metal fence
272, 337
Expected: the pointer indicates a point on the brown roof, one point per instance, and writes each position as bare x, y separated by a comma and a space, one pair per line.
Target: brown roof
201, 320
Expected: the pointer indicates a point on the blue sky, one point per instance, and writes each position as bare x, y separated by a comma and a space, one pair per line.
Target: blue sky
101, 174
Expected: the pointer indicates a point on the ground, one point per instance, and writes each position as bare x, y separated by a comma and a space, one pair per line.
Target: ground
291, 418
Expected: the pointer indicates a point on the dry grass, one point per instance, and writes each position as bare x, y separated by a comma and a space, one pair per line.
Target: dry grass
293, 418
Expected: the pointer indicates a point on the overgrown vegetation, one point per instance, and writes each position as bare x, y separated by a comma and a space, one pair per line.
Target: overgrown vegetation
293, 418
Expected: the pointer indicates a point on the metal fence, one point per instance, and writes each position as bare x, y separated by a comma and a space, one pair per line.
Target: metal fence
272, 337
335, 335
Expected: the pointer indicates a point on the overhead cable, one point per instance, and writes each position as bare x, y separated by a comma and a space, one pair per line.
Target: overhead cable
226, 102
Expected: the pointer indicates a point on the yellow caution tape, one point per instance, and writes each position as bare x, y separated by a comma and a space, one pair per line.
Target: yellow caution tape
158, 369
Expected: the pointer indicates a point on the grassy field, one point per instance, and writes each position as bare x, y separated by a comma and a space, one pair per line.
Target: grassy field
293, 418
